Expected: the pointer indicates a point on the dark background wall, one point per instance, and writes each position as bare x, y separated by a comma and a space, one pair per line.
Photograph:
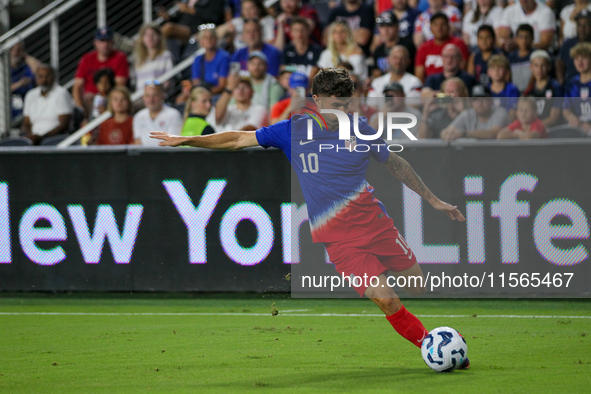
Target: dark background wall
157, 184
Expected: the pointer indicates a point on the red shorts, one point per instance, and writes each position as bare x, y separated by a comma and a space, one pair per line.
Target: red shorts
384, 251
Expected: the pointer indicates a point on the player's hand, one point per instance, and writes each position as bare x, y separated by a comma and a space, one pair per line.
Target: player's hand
167, 139
451, 210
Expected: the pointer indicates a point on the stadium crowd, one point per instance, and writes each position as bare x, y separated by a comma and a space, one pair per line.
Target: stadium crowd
526, 66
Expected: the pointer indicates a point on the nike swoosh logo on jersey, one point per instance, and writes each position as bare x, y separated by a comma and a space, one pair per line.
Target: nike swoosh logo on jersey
307, 142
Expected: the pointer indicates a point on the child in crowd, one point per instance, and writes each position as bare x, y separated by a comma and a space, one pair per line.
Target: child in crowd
577, 105
117, 130
197, 108
527, 125
486, 48
104, 80
504, 93
519, 59
546, 91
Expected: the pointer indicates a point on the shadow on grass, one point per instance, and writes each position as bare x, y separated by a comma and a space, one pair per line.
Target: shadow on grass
362, 379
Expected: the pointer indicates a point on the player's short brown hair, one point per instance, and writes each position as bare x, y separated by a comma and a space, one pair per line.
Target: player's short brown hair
499, 61
332, 82
582, 49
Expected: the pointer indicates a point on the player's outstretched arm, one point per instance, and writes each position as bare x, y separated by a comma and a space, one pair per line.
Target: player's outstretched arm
229, 140
405, 173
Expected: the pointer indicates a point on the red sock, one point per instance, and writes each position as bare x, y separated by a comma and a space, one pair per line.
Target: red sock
407, 325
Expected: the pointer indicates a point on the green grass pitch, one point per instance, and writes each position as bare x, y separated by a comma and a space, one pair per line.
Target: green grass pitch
231, 343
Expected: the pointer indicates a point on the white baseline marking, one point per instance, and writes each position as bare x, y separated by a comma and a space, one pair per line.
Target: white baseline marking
280, 314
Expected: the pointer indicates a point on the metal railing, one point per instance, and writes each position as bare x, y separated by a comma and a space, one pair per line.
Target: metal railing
62, 41
137, 95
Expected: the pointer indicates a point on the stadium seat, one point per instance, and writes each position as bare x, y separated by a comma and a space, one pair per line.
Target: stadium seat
56, 139
565, 131
16, 141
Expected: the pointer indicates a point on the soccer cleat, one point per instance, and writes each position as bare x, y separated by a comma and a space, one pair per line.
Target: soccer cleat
465, 364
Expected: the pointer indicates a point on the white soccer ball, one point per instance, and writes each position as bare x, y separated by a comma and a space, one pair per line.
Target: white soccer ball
444, 349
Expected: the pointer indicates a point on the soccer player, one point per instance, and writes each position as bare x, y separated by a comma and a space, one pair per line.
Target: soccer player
359, 236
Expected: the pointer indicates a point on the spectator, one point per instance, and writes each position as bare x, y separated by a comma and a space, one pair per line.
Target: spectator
253, 37
250, 9
519, 59
545, 90
482, 121
298, 87
527, 125
104, 56
361, 20
341, 47
486, 13
117, 130
210, 69
104, 80
190, 15
22, 79
267, 91
406, 16
395, 102
568, 15
505, 93
388, 28
151, 59
48, 107
398, 61
32, 62
197, 109
565, 67
156, 116
423, 31
539, 16
577, 107
486, 48
428, 59
242, 115
283, 79
289, 10
301, 54
452, 61
439, 113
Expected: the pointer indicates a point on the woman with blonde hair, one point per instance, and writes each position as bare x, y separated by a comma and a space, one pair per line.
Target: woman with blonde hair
341, 47
151, 59
117, 130
197, 108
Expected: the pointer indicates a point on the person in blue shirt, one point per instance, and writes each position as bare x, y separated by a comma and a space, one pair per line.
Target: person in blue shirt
452, 67
477, 63
22, 79
519, 59
252, 35
343, 213
504, 93
547, 91
565, 67
211, 69
577, 103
